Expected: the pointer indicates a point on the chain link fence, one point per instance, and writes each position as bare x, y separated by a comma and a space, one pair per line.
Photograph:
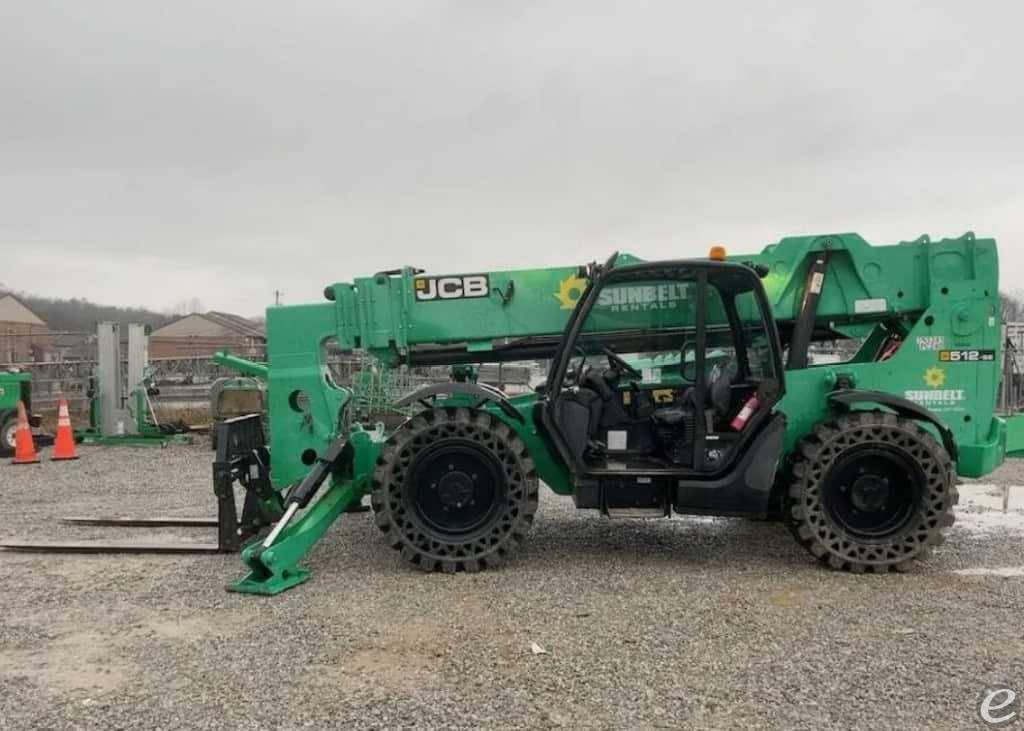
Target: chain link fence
183, 382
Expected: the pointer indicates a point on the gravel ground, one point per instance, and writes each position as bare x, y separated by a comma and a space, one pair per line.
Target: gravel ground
684, 622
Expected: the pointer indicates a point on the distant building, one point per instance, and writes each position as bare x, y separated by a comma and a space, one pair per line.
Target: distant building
24, 336
203, 334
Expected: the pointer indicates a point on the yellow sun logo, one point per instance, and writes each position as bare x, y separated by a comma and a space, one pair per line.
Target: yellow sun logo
935, 377
569, 291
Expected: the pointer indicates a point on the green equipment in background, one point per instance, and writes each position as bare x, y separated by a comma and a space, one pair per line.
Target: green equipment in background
14, 387
121, 409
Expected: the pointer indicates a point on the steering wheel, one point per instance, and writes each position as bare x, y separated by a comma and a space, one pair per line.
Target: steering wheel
574, 377
616, 361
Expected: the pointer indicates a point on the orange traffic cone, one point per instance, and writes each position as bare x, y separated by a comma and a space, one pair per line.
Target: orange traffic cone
64, 444
24, 447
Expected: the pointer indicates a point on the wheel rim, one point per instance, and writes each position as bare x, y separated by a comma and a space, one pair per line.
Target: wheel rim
10, 436
873, 493
455, 487
402, 519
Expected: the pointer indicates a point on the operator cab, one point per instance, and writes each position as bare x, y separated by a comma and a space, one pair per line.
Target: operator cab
666, 371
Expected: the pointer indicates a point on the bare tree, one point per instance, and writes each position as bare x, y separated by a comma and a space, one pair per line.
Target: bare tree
1011, 307
188, 306
80, 315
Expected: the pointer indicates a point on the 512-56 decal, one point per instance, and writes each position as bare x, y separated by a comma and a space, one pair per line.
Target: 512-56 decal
966, 356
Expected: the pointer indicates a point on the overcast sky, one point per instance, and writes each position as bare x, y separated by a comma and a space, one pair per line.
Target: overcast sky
152, 152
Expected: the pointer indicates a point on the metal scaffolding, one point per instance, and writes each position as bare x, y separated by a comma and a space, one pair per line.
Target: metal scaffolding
1011, 387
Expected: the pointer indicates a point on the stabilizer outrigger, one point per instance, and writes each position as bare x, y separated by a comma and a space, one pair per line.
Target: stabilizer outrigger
274, 561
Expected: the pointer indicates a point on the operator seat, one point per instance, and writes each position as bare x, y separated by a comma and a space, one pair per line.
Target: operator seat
592, 409
579, 413
719, 398
720, 382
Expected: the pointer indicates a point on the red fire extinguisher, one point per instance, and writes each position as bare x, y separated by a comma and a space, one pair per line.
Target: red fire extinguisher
749, 409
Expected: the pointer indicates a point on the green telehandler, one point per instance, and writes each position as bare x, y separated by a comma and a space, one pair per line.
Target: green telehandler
677, 386
682, 386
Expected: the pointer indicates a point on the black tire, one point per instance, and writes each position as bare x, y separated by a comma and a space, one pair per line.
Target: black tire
870, 491
454, 489
7, 432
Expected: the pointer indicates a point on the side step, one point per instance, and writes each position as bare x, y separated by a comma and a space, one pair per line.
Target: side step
635, 512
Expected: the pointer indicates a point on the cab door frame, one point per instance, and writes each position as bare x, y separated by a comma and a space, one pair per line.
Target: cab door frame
601, 277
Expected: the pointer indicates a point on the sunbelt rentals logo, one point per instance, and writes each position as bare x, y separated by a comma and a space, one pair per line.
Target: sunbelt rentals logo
935, 397
569, 291
935, 377
624, 298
